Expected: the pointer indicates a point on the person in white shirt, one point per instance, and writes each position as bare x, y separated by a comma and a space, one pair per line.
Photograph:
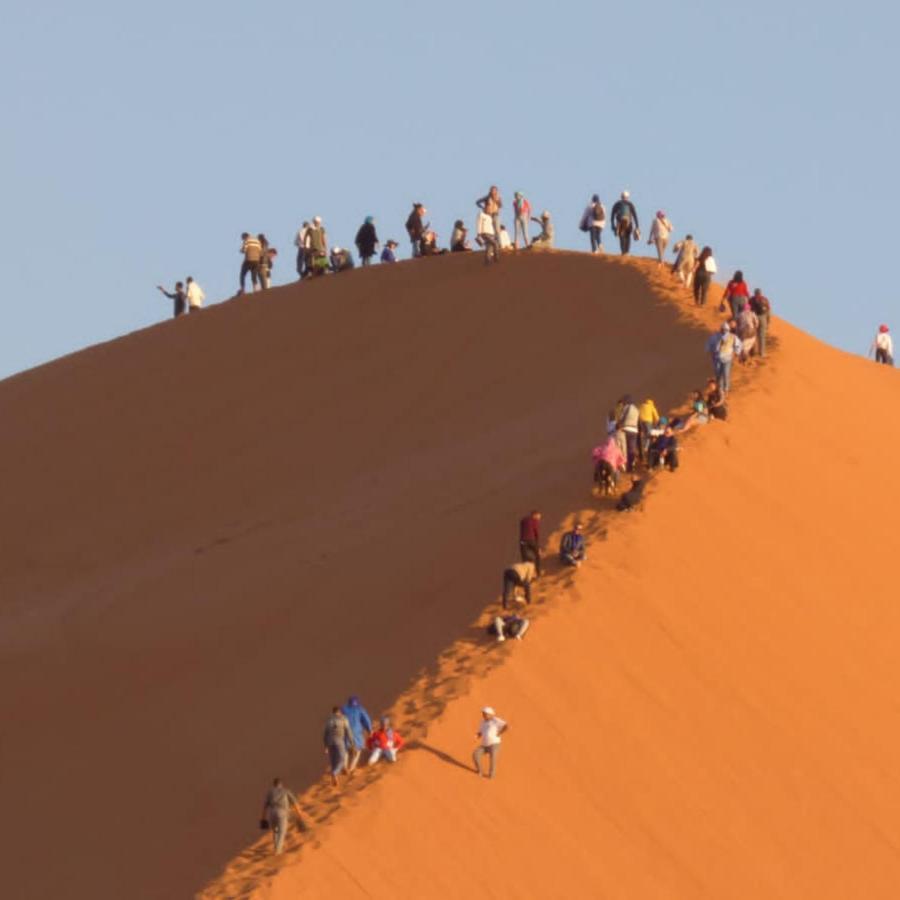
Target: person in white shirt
703, 275
492, 726
505, 242
659, 235
195, 295
300, 244
485, 237
883, 346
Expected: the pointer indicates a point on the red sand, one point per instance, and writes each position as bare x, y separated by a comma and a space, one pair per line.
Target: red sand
219, 527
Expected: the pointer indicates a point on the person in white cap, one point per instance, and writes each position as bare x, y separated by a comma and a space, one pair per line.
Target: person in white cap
488, 734
624, 222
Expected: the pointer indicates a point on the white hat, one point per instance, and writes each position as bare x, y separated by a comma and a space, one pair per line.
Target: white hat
317, 220
335, 249
489, 711
625, 195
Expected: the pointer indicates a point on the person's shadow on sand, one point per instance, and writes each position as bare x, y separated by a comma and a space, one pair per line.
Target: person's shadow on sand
443, 757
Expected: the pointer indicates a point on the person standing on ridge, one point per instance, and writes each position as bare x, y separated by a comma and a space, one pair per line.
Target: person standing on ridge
300, 244
195, 295
747, 329
522, 211
488, 734
265, 262
367, 241
530, 539
625, 222
686, 261
485, 237
703, 274
360, 729
629, 422
416, 227
491, 203
276, 809
338, 740
316, 248
723, 346
763, 309
252, 250
593, 220
660, 231
882, 346
178, 297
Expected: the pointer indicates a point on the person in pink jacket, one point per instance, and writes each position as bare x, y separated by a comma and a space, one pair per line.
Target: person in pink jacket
608, 462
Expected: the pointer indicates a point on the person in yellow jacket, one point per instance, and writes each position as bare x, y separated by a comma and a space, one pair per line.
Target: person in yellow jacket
648, 419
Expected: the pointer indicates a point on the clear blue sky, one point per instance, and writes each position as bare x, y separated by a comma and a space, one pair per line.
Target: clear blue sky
141, 139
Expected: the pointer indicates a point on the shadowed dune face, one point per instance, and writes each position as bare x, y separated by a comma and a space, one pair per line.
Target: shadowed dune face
215, 529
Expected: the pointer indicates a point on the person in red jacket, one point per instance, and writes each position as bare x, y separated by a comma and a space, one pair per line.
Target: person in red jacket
736, 294
530, 540
384, 741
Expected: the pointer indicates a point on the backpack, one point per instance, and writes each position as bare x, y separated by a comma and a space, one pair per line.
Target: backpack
585, 223
726, 346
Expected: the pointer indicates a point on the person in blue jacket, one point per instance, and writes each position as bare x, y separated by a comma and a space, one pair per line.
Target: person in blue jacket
572, 551
360, 728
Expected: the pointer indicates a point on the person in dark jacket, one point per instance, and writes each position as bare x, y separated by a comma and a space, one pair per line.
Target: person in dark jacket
416, 227
367, 241
530, 539
179, 298
389, 254
572, 550
664, 450
631, 497
624, 222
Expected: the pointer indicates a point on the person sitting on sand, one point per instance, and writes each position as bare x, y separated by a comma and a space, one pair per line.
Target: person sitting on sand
882, 347
516, 576
699, 414
715, 401
276, 809
429, 246
360, 728
340, 260
545, 238
384, 741
338, 740
632, 497
572, 551
389, 254
488, 734
503, 627
459, 240
664, 450
505, 241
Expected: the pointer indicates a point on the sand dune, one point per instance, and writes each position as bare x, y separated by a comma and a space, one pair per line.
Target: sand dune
215, 528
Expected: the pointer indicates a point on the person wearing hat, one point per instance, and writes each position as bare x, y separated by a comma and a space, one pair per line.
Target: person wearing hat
883, 346
488, 734
624, 222
459, 238
367, 240
659, 235
545, 238
572, 551
522, 211
416, 227
276, 809
341, 260
389, 254
723, 346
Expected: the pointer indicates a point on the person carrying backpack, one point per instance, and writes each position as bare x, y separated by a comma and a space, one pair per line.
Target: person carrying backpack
725, 345
593, 220
625, 222
522, 211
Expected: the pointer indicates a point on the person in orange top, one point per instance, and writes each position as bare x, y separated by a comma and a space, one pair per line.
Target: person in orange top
384, 741
736, 294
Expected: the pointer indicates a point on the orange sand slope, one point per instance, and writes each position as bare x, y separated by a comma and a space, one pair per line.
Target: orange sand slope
708, 710
216, 528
